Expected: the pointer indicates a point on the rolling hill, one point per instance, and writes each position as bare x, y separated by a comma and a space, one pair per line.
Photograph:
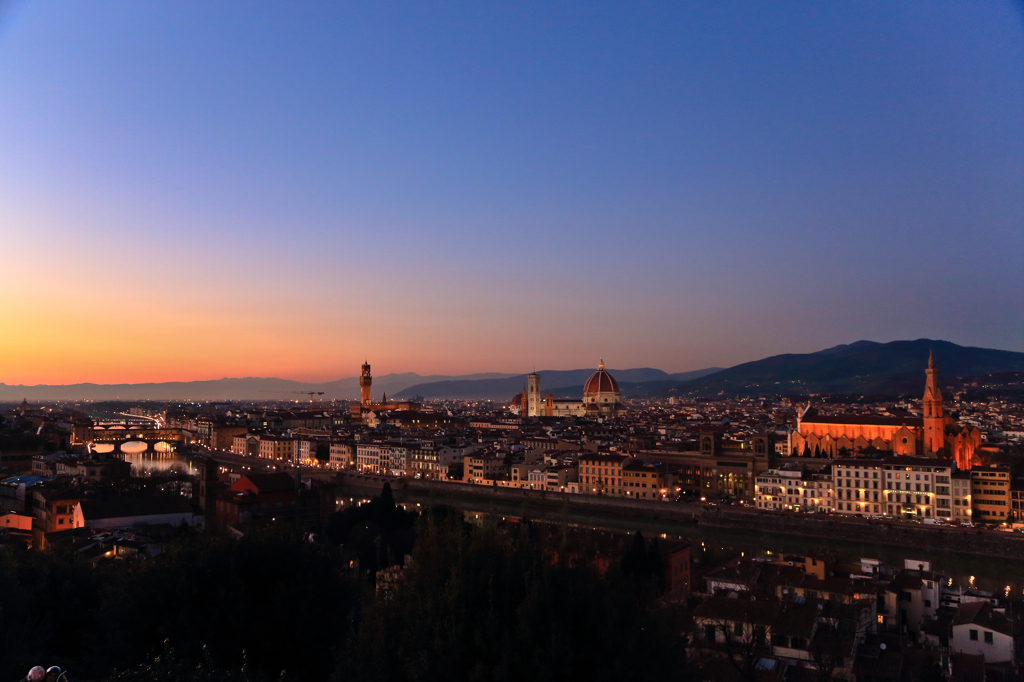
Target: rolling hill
562, 383
248, 388
864, 367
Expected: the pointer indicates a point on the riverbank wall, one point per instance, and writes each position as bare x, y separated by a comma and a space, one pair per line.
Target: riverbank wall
905, 534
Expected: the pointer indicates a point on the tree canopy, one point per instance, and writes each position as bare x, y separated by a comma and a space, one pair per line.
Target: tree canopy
496, 602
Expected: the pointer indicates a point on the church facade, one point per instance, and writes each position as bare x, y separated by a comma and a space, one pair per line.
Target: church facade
601, 398
933, 434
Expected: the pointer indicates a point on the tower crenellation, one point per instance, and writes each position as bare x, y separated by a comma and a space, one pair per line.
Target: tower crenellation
365, 381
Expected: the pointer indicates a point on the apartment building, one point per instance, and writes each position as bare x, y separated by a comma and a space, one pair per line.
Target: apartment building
602, 474
821, 484
858, 485
527, 475
342, 454
793, 488
562, 478
1017, 501
779, 489
276, 447
247, 444
642, 481
917, 487
961, 484
53, 505
368, 457
990, 494
911, 599
484, 468
394, 458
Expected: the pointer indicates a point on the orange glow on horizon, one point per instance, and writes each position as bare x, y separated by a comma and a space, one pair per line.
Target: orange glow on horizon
116, 345
110, 326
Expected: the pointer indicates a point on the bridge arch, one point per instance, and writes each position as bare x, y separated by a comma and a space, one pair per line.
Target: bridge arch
132, 446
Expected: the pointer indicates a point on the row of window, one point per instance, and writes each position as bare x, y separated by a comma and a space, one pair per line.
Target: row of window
889, 475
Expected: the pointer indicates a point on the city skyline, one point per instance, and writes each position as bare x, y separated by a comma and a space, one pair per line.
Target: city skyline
193, 192
478, 340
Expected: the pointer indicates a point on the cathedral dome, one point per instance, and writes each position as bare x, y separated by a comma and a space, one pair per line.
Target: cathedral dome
601, 384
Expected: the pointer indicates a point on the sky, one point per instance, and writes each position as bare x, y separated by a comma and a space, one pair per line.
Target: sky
197, 190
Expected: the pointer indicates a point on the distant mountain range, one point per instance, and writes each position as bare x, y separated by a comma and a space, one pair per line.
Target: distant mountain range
248, 388
864, 367
562, 383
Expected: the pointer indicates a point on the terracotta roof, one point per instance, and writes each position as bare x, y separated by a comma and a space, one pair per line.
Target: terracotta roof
603, 460
271, 483
812, 417
878, 663
738, 610
637, 465
737, 572
94, 510
967, 667
797, 621
601, 382
983, 615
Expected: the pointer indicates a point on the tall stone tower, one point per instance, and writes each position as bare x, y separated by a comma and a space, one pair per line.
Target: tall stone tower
534, 406
934, 418
364, 384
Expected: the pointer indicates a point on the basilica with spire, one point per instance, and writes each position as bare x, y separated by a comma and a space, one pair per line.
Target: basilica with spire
933, 434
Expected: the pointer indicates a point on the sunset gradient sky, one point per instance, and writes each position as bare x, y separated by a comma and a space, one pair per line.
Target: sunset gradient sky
194, 190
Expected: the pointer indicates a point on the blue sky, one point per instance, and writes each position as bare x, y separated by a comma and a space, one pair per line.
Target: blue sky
210, 189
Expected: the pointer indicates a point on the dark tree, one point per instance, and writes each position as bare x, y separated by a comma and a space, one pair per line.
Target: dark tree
387, 498
273, 594
323, 453
490, 603
635, 560
380, 531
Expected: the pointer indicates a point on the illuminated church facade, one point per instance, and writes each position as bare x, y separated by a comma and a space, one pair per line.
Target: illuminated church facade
933, 434
601, 398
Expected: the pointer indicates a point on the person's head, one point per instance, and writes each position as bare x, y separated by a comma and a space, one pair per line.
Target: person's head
36, 674
52, 674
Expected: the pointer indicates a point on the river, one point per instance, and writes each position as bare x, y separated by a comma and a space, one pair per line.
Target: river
141, 459
712, 546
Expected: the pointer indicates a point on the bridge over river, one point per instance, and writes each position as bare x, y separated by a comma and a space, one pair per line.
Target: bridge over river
134, 438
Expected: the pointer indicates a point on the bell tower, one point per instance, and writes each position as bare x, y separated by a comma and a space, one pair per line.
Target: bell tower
533, 404
365, 380
934, 418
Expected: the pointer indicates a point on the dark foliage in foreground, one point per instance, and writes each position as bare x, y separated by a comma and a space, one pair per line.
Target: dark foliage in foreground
380, 532
478, 603
489, 604
275, 596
